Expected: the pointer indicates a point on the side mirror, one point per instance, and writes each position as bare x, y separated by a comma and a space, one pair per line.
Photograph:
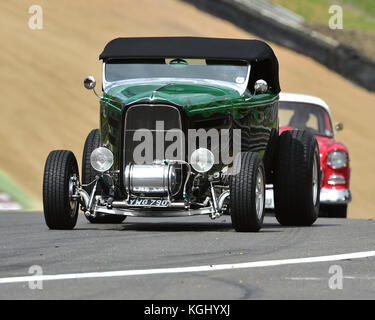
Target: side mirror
261, 86
339, 126
89, 83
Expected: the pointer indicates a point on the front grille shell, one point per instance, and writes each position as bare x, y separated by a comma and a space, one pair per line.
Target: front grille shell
144, 116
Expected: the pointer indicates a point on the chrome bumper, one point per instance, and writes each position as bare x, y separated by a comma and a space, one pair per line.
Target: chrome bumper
335, 196
154, 213
269, 197
327, 196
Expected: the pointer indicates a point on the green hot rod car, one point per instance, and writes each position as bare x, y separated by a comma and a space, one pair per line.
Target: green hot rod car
188, 126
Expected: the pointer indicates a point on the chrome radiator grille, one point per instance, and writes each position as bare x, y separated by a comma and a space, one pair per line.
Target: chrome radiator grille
145, 120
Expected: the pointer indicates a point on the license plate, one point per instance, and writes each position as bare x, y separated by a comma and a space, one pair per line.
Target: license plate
148, 202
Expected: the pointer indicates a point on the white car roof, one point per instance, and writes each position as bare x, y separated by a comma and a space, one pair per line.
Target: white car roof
303, 98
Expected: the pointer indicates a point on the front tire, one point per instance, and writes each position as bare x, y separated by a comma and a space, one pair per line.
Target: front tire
297, 185
60, 179
247, 192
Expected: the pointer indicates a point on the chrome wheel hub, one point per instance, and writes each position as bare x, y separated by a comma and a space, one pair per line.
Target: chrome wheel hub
259, 193
315, 181
73, 185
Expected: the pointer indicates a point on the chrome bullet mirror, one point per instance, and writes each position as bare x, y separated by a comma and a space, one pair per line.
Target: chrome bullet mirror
261, 86
89, 82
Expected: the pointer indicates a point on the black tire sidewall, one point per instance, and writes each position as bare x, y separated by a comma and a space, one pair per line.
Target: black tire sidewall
293, 184
242, 190
333, 211
60, 166
88, 173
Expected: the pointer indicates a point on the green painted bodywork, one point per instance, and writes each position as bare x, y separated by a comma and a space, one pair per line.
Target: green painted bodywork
256, 113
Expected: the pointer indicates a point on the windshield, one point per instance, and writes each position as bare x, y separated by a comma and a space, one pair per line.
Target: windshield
233, 72
305, 116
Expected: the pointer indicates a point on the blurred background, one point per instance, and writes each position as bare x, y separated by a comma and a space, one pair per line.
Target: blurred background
358, 20
44, 105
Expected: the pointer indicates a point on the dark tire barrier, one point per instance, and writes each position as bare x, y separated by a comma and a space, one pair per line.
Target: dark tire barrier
343, 59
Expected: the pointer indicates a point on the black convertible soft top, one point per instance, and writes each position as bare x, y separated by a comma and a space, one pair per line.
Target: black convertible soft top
264, 64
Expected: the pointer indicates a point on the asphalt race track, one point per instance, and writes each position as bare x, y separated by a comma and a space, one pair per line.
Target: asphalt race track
186, 258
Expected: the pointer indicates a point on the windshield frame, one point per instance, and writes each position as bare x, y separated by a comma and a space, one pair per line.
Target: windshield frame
240, 88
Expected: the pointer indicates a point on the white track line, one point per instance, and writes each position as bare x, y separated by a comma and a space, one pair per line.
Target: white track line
218, 267
320, 279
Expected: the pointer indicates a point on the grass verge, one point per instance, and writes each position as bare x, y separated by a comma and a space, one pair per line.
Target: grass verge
8, 186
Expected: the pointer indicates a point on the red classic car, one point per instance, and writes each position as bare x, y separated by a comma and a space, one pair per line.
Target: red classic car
297, 111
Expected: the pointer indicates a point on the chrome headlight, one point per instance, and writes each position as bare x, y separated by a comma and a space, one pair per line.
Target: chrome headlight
101, 159
337, 159
202, 160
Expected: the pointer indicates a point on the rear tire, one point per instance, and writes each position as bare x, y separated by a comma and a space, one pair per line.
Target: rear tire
247, 192
60, 212
297, 183
334, 211
89, 174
